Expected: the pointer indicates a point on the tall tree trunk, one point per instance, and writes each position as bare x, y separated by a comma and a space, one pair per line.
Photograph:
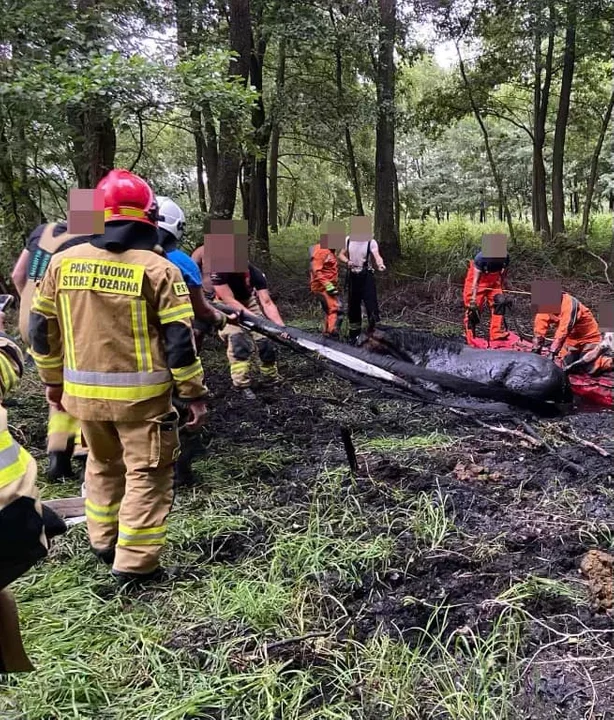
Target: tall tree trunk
291, 206
397, 202
186, 47
21, 213
245, 183
386, 231
541, 99
352, 167
560, 132
210, 150
93, 133
199, 143
258, 204
491, 160
280, 81
94, 143
592, 179
229, 155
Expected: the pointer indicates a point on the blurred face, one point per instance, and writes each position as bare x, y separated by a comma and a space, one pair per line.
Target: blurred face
546, 296
225, 247
85, 212
361, 227
494, 246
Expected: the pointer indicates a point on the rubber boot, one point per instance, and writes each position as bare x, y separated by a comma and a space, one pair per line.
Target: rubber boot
60, 466
107, 556
81, 461
190, 445
136, 580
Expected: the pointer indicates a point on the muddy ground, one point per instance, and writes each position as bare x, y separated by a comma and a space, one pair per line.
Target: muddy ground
519, 517
497, 526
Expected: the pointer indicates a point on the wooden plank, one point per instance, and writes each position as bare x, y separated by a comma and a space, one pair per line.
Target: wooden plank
67, 507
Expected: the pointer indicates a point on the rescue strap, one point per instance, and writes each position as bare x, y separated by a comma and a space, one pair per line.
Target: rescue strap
352, 359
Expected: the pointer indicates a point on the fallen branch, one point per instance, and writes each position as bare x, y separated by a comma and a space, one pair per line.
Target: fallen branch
500, 429
294, 640
606, 265
531, 436
584, 443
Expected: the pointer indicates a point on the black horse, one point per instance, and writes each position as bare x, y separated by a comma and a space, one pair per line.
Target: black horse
521, 373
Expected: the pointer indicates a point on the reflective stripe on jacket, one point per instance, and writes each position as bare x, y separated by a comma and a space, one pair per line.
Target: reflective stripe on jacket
39, 261
22, 537
112, 328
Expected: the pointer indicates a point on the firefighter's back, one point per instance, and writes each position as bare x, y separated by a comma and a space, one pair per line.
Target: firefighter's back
108, 308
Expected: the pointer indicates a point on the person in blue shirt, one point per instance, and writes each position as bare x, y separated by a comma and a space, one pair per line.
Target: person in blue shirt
171, 226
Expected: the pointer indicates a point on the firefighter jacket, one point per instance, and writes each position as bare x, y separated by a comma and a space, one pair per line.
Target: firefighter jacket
576, 325
43, 243
22, 535
114, 327
324, 269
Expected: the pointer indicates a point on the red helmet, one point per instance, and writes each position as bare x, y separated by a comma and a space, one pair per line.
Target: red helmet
128, 197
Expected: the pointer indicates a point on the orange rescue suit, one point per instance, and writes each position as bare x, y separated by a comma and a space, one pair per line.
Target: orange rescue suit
490, 284
576, 326
324, 283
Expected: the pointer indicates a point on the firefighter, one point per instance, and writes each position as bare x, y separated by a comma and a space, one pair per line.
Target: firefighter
25, 526
111, 327
63, 432
325, 285
247, 291
577, 333
171, 226
483, 283
358, 255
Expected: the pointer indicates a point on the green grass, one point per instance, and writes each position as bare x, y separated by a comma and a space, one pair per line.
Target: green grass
315, 550
432, 441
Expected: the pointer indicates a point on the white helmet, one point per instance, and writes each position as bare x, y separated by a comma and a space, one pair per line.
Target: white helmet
171, 217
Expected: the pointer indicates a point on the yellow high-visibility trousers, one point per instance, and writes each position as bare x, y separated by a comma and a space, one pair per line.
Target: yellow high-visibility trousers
129, 488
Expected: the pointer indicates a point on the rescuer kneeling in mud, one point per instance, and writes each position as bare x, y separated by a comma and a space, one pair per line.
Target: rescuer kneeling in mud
63, 431
484, 285
171, 227
577, 332
325, 280
25, 526
242, 286
112, 332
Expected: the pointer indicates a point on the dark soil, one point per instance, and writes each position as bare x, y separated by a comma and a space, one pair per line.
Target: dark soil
528, 522
536, 519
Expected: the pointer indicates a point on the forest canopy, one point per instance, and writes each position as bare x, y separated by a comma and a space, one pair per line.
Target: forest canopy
286, 112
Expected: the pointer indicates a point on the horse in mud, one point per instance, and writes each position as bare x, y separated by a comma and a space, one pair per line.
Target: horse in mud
522, 373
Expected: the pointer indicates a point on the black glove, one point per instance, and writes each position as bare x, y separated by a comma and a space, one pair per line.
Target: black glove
473, 316
53, 523
501, 304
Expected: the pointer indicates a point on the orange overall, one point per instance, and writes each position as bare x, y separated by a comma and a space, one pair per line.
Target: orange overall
325, 284
577, 332
490, 284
